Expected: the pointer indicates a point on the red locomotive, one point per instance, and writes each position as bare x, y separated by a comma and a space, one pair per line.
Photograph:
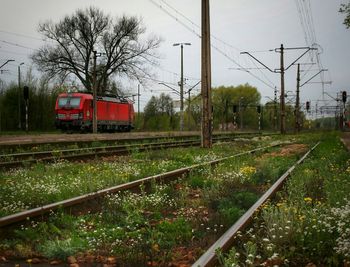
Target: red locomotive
74, 111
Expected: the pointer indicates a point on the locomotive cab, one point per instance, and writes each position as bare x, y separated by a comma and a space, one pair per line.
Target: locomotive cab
73, 112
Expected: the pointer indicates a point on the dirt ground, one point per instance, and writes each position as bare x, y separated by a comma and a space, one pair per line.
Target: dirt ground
289, 150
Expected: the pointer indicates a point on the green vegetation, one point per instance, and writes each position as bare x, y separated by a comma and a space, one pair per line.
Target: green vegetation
309, 221
159, 224
46, 183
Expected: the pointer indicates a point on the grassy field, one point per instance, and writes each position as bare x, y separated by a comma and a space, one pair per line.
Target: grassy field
167, 224
309, 222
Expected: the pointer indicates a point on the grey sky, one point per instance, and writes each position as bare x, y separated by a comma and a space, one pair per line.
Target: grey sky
236, 26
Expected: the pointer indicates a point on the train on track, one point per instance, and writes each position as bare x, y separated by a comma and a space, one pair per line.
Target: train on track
74, 112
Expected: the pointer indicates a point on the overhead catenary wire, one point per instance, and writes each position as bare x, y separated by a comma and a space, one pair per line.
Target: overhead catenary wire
267, 78
23, 35
18, 45
213, 46
196, 25
307, 23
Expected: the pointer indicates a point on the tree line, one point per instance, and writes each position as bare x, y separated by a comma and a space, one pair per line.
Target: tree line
234, 108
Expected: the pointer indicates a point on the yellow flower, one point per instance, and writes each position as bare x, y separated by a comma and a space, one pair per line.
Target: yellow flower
308, 199
247, 170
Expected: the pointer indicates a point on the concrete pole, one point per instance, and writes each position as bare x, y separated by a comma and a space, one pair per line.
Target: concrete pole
206, 133
282, 103
275, 111
182, 90
297, 103
19, 96
94, 96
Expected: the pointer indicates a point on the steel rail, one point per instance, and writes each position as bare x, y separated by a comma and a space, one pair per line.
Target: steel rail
51, 152
40, 154
48, 156
21, 216
227, 239
31, 141
100, 151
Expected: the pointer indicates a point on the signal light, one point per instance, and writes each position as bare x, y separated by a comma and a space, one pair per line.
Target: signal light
234, 108
258, 109
344, 96
307, 105
26, 92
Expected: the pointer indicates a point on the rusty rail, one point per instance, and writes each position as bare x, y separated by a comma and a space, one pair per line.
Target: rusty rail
227, 239
28, 158
68, 154
21, 216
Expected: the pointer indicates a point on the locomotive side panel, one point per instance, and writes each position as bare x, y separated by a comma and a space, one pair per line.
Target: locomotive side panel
75, 112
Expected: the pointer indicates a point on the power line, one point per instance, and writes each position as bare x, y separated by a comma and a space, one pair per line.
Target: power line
307, 23
262, 72
213, 46
11, 52
175, 18
18, 45
22, 35
196, 25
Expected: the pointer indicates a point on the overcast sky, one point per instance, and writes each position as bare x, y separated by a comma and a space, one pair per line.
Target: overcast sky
236, 25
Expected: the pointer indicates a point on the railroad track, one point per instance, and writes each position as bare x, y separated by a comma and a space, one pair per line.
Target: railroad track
13, 160
32, 213
225, 242
29, 142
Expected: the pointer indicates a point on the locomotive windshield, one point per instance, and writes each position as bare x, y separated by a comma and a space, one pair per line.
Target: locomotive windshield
72, 102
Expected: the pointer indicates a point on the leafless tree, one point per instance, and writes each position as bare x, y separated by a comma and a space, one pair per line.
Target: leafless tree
122, 50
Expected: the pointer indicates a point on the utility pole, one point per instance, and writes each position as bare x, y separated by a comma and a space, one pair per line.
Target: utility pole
26, 101
282, 103
240, 114
206, 78
282, 71
297, 103
138, 107
138, 101
182, 85
19, 96
189, 105
94, 97
189, 110
275, 111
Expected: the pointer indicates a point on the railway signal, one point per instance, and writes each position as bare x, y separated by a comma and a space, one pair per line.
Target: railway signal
26, 100
344, 96
258, 109
235, 116
307, 106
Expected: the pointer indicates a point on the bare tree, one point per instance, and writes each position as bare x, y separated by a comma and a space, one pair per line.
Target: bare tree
345, 8
121, 50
